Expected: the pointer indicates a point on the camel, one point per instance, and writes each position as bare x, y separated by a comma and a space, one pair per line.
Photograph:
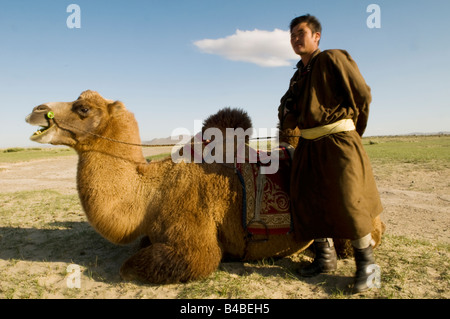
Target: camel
189, 214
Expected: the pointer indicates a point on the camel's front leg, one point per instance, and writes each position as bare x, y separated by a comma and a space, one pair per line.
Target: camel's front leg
163, 264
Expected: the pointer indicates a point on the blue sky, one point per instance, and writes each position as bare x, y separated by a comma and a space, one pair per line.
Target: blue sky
147, 54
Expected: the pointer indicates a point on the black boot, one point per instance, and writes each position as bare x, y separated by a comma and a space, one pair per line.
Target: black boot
324, 262
363, 258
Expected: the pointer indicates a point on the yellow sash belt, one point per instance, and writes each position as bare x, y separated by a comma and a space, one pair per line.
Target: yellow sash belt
336, 127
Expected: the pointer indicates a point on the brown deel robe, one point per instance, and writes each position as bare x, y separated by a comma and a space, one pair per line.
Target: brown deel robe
333, 191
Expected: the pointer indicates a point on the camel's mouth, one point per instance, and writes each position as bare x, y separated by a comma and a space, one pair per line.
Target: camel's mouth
44, 121
45, 126
41, 131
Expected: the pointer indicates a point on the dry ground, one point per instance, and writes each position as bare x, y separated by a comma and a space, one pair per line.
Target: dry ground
43, 230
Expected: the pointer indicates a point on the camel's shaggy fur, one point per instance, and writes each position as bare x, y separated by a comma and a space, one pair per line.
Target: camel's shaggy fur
189, 213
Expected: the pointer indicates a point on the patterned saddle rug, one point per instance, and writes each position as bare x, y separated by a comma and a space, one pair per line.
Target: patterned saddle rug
266, 208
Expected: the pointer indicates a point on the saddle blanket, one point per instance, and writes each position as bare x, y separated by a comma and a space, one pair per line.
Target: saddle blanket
266, 196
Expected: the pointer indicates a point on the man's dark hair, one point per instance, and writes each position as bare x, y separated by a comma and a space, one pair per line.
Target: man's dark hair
312, 21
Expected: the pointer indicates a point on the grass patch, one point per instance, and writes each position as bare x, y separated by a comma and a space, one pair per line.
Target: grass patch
409, 269
157, 157
387, 149
41, 233
37, 208
218, 285
429, 150
413, 268
17, 154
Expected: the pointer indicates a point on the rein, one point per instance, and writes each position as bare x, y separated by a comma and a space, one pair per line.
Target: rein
51, 116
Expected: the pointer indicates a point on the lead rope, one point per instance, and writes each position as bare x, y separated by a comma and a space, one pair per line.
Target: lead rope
51, 116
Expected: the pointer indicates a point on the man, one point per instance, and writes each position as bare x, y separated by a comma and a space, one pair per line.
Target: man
333, 190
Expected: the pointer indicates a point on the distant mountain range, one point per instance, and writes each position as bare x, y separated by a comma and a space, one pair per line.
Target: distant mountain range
171, 140
414, 134
437, 133
176, 139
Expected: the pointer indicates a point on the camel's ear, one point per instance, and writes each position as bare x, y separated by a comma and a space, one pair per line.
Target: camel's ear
115, 107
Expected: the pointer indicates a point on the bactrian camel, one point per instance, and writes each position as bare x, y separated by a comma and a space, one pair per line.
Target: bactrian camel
190, 213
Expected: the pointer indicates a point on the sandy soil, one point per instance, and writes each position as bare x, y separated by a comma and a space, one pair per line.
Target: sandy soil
416, 201
416, 204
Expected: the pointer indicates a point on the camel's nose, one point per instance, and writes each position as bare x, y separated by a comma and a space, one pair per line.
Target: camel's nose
38, 113
41, 108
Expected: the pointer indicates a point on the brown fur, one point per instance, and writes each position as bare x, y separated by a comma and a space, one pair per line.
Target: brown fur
228, 118
191, 213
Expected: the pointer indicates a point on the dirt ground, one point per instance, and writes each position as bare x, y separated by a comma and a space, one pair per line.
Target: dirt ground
57, 173
416, 204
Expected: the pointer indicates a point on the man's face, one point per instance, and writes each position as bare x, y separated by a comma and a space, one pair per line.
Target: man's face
303, 41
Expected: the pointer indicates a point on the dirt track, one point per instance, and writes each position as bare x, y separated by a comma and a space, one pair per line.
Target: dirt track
57, 173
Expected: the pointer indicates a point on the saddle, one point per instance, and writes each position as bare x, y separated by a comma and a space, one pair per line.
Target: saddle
266, 203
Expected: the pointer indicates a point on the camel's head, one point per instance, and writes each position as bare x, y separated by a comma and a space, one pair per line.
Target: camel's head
71, 123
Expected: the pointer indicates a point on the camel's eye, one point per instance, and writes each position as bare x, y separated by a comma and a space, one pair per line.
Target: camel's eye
82, 110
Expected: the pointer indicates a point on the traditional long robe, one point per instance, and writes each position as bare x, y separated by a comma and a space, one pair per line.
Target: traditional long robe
333, 190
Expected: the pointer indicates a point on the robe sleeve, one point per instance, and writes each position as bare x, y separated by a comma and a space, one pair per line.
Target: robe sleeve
287, 114
358, 95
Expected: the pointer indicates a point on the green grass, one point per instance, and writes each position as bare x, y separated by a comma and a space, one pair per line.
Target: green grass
409, 149
157, 157
400, 149
17, 154
41, 233
38, 208
411, 267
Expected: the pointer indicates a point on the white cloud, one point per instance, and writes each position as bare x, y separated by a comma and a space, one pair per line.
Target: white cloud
264, 48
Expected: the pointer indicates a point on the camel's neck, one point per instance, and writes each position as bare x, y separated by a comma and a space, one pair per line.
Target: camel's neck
113, 189
115, 194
